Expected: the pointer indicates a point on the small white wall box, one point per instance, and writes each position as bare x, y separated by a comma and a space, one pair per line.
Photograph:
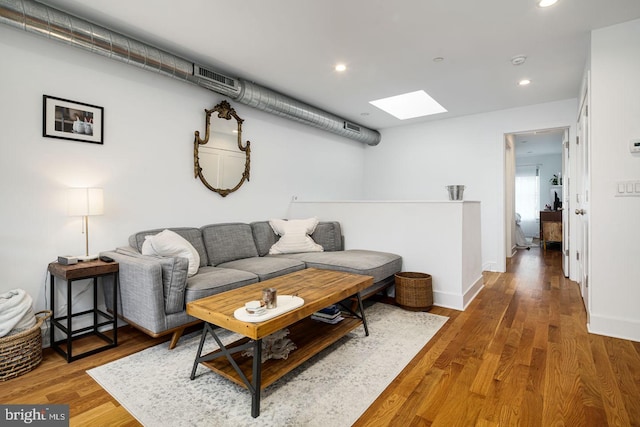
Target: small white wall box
634, 146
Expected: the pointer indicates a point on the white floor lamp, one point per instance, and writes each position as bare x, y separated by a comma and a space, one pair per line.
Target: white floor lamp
85, 202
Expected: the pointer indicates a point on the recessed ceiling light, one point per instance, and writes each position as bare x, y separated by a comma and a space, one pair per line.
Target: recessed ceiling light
409, 105
524, 82
546, 3
341, 67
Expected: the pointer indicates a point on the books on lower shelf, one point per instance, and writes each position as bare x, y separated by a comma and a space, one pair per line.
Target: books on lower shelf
329, 314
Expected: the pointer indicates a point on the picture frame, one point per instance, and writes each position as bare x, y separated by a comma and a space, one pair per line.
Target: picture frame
72, 120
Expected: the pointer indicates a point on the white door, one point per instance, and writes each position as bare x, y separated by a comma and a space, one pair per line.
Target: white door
582, 203
566, 203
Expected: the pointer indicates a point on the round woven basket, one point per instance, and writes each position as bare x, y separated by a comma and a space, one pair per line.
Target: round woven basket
414, 291
22, 352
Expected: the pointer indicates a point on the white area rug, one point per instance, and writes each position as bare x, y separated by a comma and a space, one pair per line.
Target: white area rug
332, 389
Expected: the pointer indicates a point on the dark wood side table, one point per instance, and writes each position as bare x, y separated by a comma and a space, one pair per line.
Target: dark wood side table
550, 227
71, 273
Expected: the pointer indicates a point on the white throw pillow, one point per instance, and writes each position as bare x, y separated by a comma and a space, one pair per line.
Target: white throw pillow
171, 244
294, 236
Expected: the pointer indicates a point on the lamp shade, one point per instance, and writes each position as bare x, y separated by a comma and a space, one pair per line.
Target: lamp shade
85, 201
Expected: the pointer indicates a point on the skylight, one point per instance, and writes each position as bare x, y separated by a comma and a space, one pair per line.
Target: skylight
546, 3
409, 105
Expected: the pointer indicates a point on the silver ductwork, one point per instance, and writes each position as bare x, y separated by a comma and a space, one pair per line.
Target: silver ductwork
54, 24
272, 102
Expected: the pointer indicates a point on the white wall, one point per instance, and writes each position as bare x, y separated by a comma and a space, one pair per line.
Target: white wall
418, 161
615, 119
438, 238
146, 163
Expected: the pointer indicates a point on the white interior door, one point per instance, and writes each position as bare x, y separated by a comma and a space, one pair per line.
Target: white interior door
582, 203
566, 203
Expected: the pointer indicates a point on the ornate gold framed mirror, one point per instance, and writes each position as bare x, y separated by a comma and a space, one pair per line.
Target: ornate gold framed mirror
218, 163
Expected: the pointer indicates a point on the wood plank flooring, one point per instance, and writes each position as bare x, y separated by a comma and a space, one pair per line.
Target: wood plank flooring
519, 355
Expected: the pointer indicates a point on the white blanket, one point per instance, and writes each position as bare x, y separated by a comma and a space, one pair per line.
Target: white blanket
521, 240
16, 312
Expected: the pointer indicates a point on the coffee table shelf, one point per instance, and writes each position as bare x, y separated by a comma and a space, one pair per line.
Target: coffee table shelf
309, 336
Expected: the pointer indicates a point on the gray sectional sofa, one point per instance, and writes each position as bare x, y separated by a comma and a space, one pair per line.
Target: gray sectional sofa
154, 290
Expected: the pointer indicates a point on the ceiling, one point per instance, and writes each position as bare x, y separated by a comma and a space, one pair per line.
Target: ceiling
538, 143
292, 46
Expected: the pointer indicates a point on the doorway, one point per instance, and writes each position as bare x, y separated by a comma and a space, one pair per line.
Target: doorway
536, 167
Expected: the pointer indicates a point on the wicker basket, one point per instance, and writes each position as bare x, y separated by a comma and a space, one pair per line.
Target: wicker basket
22, 352
414, 291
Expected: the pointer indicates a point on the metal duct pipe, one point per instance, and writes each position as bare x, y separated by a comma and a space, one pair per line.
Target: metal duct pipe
272, 102
54, 24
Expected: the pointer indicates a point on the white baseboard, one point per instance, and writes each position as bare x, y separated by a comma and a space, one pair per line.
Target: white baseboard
627, 329
458, 301
491, 266
472, 292
448, 300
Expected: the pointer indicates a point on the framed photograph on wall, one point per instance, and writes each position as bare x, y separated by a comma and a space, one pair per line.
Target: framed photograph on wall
76, 121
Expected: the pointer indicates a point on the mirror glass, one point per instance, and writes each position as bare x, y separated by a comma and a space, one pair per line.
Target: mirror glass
221, 161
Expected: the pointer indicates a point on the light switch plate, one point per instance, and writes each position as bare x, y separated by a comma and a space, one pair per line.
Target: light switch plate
627, 189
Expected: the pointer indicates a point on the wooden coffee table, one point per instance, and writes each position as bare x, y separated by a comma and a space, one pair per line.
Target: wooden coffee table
318, 289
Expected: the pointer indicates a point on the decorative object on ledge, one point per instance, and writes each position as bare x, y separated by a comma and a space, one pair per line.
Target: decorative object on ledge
218, 164
76, 121
455, 192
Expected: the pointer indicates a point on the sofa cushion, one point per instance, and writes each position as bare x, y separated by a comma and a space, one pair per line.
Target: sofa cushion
263, 236
213, 280
191, 234
228, 242
170, 244
294, 236
266, 267
327, 234
380, 265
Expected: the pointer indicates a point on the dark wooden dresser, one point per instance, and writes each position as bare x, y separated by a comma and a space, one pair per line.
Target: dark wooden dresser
550, 227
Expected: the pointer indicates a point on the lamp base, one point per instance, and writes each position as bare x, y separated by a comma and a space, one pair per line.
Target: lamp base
82, 258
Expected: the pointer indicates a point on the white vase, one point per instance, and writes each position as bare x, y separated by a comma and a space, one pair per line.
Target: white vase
78, 126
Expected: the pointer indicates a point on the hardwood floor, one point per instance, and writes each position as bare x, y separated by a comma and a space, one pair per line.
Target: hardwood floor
519, 355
